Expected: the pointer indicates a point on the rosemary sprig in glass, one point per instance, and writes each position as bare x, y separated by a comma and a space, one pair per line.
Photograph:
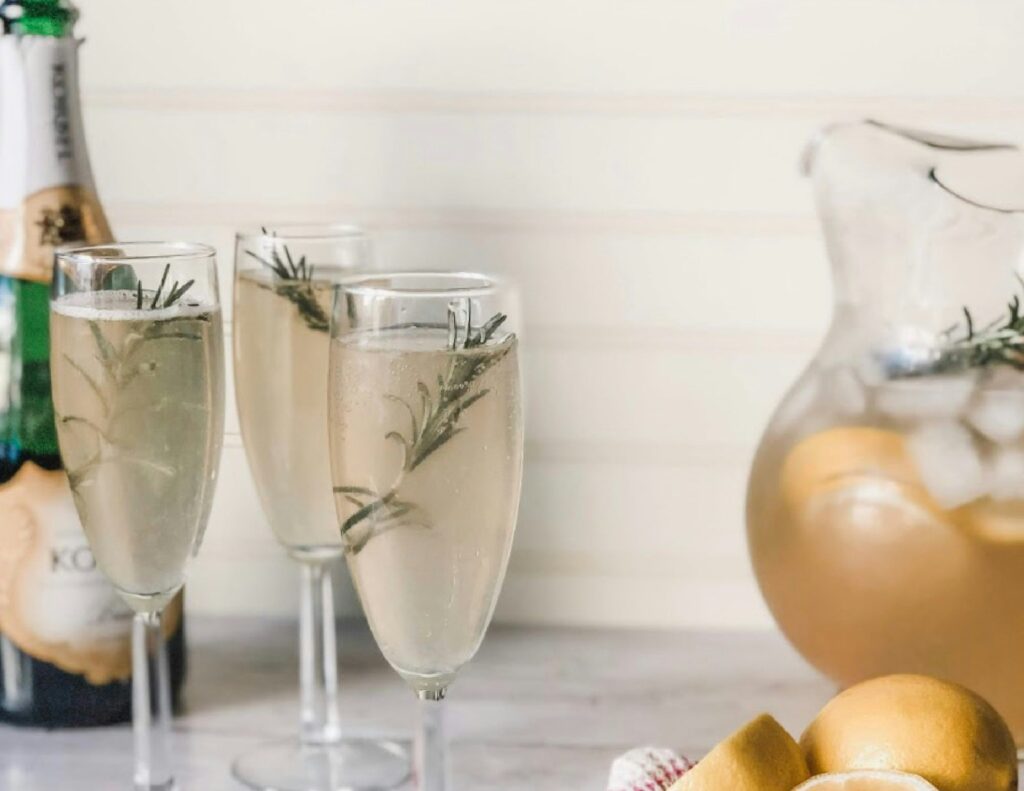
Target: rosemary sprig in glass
176, 292
297, 287
433, 422
119, 367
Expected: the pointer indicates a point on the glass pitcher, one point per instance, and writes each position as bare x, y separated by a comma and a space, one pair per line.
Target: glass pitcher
885, 510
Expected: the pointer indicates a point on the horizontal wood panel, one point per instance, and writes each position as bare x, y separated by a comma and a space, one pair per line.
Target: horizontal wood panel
661, 511
915, 47
402, 102
440, 161
642, 395
731, 602
448, 161
688, 340
630, 511
665, 281
580, 518
633, 166
706, 398
650, 539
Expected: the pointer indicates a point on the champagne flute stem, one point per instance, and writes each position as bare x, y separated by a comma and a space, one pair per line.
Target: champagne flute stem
432, 770
16, 683
318, 666
151, 705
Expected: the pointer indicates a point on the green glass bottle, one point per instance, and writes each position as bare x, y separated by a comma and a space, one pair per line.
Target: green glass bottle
65, 645
38, 17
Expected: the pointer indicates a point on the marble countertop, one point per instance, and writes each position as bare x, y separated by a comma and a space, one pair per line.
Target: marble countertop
540, 709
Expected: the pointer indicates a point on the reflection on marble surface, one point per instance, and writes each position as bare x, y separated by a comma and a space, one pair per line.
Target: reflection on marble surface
538, 710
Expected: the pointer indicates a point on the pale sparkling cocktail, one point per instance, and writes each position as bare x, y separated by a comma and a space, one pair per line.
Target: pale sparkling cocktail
426, 435
284, 287
138, 397
137, 365
281, 379
429, 565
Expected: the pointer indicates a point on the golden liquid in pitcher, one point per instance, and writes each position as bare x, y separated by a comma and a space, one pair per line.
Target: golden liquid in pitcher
886, 526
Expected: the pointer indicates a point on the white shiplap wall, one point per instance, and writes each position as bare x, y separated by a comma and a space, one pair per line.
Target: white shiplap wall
631, 163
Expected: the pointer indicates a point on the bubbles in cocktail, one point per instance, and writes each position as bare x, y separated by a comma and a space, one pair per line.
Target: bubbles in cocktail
139, 395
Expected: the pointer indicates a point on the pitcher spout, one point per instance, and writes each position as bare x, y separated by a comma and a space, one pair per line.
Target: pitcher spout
919, 226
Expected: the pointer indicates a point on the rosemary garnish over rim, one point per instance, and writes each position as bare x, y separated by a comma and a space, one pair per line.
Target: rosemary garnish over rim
120, 366
967, 345
433, 422
176, 293
298, 286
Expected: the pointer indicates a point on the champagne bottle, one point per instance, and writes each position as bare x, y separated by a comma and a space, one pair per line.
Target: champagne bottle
65, 636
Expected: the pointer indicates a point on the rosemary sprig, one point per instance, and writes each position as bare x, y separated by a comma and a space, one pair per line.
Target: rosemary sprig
967, 345
298, 287
433, 422
176, 292
119, 367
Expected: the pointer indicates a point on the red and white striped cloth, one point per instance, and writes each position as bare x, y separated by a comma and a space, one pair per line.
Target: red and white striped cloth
647, 769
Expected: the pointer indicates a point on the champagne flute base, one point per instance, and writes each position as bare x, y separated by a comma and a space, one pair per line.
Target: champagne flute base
170, 785
348, 765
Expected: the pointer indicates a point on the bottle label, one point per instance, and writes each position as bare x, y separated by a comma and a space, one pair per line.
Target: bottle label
55, 605
46, 194
46, 220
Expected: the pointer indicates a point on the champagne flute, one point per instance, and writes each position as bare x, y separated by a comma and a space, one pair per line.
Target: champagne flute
426, 438
137, 358
284, 281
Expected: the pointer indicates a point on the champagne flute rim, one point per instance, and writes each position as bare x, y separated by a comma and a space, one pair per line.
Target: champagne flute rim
303, 232
136, 252
393, 284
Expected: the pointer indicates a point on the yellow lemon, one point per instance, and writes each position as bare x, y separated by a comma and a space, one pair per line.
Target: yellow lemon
761, 756
848, 457
991, 521
867, 780
858, 458
943, 732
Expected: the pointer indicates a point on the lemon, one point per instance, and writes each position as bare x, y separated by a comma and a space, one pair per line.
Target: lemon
760, 756
917, 724
867, 780
836, 461
847, 457
995, 522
